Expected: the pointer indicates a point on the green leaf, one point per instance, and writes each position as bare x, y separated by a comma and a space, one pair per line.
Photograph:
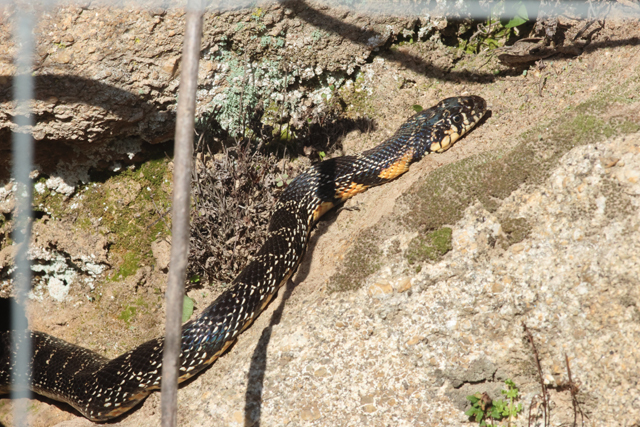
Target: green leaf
417, 108
471, 412
279, 183
473, 399
496, 413
187, 308
521, 17
322, 154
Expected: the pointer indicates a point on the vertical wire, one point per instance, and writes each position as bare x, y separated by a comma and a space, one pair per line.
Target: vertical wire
22, 161
180, 215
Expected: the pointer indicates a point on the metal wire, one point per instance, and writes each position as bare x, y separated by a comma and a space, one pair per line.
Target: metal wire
181, 204
506, 9
22, 161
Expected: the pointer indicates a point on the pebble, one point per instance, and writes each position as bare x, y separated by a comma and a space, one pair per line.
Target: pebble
380, 289
310, 413
403, 284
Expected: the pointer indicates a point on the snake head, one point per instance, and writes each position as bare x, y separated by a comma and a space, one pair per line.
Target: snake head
451, 118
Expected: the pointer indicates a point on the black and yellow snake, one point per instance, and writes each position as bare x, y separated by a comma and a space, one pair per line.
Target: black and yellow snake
101, 389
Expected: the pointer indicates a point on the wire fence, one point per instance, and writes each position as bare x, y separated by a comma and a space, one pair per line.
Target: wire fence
22, 155
24, 23
181, 203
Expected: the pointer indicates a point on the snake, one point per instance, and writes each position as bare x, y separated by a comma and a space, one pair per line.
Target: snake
101, 389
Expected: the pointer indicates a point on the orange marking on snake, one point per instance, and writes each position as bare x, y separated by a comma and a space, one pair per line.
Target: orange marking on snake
321, 210
350, 191
398, 167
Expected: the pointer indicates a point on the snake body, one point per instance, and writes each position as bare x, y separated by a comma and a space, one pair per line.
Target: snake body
101, 389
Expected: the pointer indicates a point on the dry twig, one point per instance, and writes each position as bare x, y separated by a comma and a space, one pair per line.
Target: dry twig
545, 392
573, 389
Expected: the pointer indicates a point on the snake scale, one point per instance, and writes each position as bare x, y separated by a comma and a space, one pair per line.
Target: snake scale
101, 389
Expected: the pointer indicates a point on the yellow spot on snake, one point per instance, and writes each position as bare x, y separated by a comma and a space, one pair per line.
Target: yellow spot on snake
398, 167
446, 142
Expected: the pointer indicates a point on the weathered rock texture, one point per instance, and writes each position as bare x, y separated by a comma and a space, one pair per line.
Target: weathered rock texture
104, 75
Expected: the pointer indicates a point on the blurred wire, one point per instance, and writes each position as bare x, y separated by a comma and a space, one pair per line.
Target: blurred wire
424, 8
180, 216
22, 161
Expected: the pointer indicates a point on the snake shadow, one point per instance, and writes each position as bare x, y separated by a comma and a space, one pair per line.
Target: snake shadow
257, 369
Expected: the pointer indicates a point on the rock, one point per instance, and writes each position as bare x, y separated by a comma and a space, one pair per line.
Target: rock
58, 289
113, 71
310, 413
162, 253
380, 289
403, 284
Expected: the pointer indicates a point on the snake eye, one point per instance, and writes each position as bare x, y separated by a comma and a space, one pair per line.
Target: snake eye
456, 118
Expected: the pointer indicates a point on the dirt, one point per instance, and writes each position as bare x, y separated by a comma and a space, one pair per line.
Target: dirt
320, 354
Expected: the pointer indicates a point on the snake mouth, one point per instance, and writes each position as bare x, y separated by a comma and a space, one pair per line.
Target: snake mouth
477, 109
479, 104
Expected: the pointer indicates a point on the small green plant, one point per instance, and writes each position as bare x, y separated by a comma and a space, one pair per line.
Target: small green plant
283, 179
417, 108
496, 31
483, 408
322, 155
187, 308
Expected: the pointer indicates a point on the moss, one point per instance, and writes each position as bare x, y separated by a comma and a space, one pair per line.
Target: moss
51, 203
361, 261
125, 207
127, 314
429, 247
130, 311
516, 229
627, 127
154, 171
130, 209
356, 98
129, 266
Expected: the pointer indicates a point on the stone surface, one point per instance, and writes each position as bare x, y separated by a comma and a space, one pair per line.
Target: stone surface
105, 75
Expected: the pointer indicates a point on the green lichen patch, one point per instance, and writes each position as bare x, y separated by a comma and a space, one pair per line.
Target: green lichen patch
130, 311
430, 247
129, 266
132, 210
516, 229
361, 261
356, 99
